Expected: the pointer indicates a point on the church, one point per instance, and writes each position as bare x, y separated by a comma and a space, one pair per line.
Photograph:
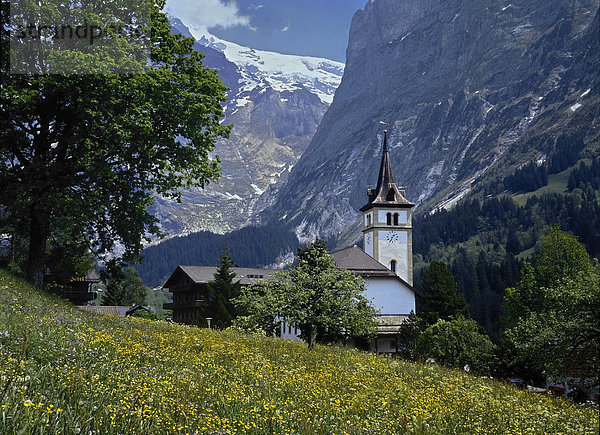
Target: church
385, 264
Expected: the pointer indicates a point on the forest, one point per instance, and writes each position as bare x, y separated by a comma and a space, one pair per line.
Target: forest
484, 242
248, 247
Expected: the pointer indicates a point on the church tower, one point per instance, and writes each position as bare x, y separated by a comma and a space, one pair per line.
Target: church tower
387, 222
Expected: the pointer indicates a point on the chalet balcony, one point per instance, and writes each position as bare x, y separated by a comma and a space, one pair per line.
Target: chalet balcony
187, 304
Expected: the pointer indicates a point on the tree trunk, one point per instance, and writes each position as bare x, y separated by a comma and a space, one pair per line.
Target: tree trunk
312, 338
39, 230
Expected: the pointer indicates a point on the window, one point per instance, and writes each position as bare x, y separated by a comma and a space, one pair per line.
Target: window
393, 265
391, 195
389, 219
255, 276
395, 218
369, 220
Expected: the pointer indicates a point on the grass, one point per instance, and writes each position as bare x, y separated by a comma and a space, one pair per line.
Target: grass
64, 371
526, 254
557, 183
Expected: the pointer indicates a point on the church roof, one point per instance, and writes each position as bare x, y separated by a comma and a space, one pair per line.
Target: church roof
355, 259
386, 194
361, 263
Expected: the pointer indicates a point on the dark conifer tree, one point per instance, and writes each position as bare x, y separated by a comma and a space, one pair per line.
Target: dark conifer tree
513, 244
440, 297
123, 286
408, 334
222, 290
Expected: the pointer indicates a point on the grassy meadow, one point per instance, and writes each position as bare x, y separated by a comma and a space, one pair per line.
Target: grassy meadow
63, 371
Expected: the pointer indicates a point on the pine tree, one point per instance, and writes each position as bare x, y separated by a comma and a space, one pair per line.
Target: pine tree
408, 334
440, 297
222, 290
123, 287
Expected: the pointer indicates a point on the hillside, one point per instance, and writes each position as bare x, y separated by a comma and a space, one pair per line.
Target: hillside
66, 371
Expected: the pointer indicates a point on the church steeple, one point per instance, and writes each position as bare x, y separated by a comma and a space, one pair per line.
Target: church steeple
386, 193
387, 222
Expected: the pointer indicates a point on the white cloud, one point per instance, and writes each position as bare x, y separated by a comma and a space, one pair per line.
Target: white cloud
286, 28
204, 14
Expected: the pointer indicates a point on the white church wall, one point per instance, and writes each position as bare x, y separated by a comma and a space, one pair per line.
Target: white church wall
402, 217
390, 296
288, 331
393, 245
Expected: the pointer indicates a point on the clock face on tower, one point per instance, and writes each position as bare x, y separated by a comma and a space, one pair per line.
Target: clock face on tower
392, 237
369, 243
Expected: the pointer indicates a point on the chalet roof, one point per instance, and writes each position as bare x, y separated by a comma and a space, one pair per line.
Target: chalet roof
356, 260
386, 194
204, 274
112, 310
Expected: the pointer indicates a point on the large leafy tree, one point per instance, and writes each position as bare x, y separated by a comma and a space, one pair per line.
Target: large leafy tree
457, 343
324, 301
440, 298
222, 290
81, 155
552, 312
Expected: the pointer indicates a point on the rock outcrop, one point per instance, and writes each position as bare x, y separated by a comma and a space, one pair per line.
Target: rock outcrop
468, 90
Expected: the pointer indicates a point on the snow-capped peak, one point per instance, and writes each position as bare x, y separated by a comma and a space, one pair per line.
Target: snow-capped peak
280, 71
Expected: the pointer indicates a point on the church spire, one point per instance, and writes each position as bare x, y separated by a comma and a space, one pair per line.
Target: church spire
386, 193
386, 176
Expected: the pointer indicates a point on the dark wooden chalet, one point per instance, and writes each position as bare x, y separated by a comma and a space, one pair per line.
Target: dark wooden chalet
78, 289
189, 286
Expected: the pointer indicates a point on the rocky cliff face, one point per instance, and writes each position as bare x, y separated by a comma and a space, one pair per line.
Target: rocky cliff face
465, 87
275, 104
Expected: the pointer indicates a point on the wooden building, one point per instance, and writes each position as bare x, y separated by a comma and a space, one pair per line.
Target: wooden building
77, 289
189, 285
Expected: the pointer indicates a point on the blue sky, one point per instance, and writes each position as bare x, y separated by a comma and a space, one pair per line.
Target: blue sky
306, 27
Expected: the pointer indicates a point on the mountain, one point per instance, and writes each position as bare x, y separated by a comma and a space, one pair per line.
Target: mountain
471, 91
275, 103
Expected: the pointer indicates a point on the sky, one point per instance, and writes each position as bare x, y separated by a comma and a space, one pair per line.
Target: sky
304, 27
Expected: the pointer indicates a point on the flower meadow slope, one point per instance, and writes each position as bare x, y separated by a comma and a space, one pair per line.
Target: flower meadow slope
66, 371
